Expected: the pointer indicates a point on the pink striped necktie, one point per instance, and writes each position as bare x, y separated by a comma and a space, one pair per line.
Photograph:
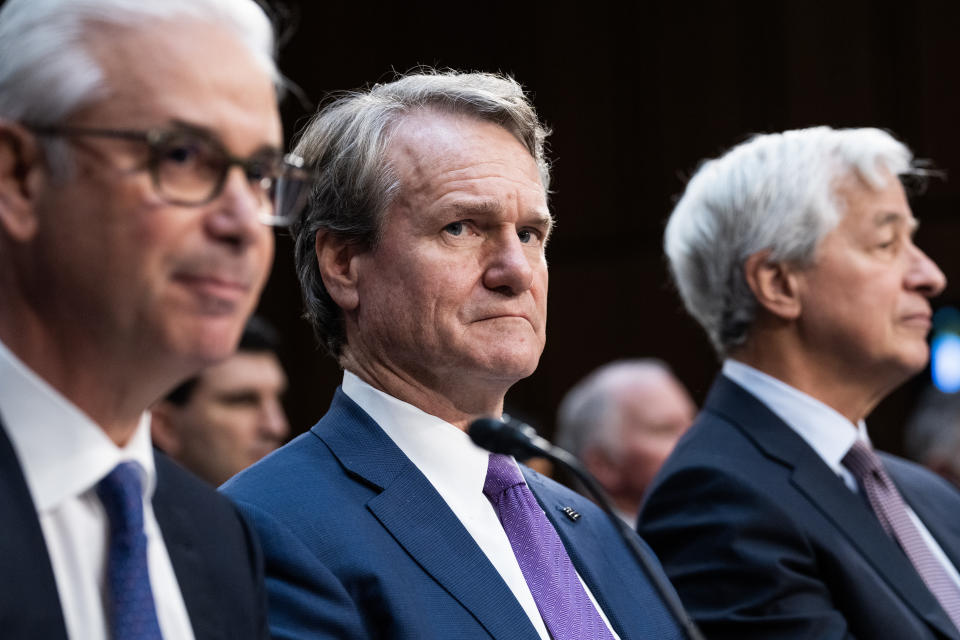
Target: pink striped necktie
892, 512
557, 591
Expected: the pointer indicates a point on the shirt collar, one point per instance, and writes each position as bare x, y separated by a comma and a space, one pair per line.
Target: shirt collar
829, 434
62, 452
453, 464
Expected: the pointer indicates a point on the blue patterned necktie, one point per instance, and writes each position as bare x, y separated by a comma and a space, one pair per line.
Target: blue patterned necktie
131, 609
563, 603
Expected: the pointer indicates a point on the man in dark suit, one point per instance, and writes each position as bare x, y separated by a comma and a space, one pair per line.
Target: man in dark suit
774, 517
132, 251
423, 268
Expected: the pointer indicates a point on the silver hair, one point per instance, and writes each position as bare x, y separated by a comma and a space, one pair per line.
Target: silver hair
47, 71
347, 142
588, 412
775, 193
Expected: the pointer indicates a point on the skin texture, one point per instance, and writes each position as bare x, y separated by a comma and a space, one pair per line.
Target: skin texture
648, 412
850, 328
233, 418
449, 310
111, 294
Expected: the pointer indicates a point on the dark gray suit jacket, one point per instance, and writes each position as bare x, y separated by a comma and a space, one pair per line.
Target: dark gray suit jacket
763, 540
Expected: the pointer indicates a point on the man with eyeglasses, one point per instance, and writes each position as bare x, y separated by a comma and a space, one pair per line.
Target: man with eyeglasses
139, 160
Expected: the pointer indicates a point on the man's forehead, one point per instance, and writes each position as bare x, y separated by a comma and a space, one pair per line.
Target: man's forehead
246, 365
194, 72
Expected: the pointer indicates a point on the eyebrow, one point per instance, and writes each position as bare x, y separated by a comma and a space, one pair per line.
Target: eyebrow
492, 207
896, 217
207, 132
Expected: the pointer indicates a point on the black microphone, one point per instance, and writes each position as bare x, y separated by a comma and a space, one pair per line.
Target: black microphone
514, 438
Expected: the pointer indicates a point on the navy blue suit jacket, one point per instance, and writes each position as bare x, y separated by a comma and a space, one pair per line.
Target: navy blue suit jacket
359, 544
214, 555
763, 540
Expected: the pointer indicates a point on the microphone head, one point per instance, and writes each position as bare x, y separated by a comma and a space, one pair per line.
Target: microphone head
497, 436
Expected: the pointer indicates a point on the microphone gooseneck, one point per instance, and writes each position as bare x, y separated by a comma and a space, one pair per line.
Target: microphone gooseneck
512, 437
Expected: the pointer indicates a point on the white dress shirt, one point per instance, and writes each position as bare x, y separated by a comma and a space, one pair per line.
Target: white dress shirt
457, 469
64, 455
826, 431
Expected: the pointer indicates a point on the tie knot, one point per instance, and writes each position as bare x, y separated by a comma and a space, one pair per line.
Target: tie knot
502, 473
862, 461
122, 498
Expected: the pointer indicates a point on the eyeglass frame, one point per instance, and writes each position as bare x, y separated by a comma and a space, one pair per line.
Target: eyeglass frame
155, 136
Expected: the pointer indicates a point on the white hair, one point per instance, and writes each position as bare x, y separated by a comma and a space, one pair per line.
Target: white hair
589, 414
775, 193
47, 71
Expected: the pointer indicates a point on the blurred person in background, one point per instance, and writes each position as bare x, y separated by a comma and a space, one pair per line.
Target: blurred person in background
229, 415
932, 436
622, 421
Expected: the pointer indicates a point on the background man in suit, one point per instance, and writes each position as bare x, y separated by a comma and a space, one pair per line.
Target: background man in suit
131, 253
230, 415
622, 421
423, 268
774, 517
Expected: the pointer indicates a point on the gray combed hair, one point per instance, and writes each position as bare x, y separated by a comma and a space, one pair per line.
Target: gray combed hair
47, 71
347, 142
589, 413
776, 193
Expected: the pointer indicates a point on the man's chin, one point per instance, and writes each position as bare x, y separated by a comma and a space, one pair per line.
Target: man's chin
207, 340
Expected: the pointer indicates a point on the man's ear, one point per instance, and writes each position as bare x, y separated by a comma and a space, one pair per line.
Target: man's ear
338, 268
774, 284
162, 430
21, 167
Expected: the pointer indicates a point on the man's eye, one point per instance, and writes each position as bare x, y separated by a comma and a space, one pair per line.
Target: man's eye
183, 153
454, 228
528, 236
263, 168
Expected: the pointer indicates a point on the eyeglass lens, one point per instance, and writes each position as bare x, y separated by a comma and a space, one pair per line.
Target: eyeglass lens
190, 169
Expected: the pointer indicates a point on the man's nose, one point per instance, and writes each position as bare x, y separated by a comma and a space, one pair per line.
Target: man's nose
235, 217
273, 420
508, 269
924, 275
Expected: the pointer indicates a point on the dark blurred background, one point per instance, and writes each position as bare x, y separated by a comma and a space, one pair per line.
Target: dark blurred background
636, 97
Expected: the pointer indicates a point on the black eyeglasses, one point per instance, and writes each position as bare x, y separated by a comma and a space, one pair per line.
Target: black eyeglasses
189, 167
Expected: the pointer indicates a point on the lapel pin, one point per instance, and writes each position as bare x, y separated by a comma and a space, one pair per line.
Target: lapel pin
570, 513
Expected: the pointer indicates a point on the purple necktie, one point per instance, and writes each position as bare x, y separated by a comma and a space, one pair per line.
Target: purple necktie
892, 512
558, 592
132, 612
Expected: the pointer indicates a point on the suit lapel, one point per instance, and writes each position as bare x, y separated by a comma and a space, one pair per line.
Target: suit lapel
825, 491
30, 604
420, 521
177, 529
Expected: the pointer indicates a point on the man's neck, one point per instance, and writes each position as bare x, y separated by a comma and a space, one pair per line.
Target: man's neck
112, 393
852, 394
455, 401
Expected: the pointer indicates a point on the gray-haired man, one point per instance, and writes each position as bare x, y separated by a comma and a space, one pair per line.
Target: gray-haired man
423, 267
773, 516
139, 152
